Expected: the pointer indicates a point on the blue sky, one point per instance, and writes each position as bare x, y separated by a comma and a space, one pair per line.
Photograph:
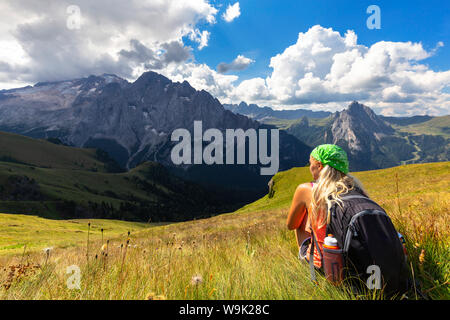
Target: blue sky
265, 28
316, 54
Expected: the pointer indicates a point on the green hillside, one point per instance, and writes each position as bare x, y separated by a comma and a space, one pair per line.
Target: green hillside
438, 126
379, 183
54, 181
41, 153
146, 192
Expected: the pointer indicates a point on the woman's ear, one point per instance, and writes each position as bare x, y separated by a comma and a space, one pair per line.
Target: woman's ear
320, 166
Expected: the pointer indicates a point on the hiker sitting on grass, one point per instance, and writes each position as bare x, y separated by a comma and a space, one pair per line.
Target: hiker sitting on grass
328, 165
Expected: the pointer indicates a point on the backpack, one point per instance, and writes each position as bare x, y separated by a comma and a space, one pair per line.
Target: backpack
369, 243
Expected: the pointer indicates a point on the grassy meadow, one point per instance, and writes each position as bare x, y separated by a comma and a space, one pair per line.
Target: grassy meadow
30, 233
247, 254
435, 126
41, 153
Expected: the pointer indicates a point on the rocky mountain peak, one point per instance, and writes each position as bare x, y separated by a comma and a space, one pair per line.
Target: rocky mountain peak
357, 128
360, 117
243, 104
151, 78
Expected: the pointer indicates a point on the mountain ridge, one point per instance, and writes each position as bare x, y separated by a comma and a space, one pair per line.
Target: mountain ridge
373, 141
264, 113
133, 122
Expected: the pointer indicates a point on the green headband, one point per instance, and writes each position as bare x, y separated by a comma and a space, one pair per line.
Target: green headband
332, 155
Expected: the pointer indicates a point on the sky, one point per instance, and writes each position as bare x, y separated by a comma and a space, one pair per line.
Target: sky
393, 56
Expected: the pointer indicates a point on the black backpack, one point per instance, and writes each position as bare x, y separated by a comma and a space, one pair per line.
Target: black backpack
368, 240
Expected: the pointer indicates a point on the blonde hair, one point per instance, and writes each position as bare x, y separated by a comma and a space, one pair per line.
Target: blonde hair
327, 191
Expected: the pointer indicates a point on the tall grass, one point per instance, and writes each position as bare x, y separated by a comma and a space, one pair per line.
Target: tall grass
248, 254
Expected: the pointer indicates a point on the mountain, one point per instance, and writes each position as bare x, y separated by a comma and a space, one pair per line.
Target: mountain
264, 114
133, 123
375, 142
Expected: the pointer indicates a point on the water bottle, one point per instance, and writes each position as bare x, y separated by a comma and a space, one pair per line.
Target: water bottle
333, 264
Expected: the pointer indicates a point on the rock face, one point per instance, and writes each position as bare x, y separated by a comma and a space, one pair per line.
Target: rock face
358, 127
370, 142
133, 122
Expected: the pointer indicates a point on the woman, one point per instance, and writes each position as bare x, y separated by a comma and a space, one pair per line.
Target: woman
312, 201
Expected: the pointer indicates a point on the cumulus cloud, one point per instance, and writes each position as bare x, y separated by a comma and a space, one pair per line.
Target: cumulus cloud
240, 63
167, 53
252, 90
201, 37
321, 69
232, 12
327, 68
202, 77
324, 70
36, 37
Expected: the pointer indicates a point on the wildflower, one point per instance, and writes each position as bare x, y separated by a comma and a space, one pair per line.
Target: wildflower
422, 256
153, 296
48, 250
212, 291
196, 280
150, 296
104, 247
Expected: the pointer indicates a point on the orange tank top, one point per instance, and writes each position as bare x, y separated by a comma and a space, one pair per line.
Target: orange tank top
320, 237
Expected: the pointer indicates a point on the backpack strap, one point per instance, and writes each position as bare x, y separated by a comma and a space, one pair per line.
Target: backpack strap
358, 197
312, 269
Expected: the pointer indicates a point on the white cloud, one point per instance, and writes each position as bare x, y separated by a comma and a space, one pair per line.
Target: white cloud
325, 68
37, 38
254, 90
201, 37
202, 77
240, 63
322, 69
233, 11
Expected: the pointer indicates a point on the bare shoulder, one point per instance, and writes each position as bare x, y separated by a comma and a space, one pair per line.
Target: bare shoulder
304, 186
303, 189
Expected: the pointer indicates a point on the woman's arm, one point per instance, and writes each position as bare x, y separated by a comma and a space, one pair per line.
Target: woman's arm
298, 207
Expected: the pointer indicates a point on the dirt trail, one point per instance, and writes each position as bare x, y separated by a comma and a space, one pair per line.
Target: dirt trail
415, 153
